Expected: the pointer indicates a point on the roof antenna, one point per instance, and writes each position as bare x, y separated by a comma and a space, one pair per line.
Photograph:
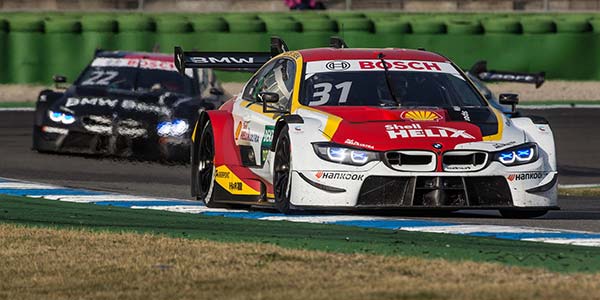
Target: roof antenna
337, 42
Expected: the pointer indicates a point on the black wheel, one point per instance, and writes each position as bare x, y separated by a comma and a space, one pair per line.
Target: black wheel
522, 214
204, 176
282, 172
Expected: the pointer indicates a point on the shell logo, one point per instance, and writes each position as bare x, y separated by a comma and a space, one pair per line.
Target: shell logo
420, 115
238, 130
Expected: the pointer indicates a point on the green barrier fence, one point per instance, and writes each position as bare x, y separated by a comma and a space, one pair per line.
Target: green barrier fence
4, 76
58, 58
97, 32
35, 46
173, 32
25, 49
135, 33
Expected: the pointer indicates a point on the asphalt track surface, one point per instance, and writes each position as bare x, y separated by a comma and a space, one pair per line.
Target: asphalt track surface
576, 132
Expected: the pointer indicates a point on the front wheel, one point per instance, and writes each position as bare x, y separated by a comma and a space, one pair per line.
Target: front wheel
522, 214
204, 170
282, 172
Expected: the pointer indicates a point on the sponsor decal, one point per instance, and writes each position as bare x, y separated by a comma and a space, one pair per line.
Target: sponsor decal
222, 174
355, 143
502, 145
268, 136
243, 133
56, 130
72, 101
506, 77
134, 63
235, 186
337, 65
417, 131
525, 176
112, 103
420, 115
238, 129
376, 65
458, 168
221, 60
267, 141
400, 65
249, 137
465, 115
339, 175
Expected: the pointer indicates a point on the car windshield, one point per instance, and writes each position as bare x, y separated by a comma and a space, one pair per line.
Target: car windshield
135, 75
364, 83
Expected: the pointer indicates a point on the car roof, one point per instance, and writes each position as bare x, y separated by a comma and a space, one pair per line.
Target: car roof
134, 55
317, 54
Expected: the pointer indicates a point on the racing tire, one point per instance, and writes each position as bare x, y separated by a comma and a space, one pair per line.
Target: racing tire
522, 214
203, 175
282, 171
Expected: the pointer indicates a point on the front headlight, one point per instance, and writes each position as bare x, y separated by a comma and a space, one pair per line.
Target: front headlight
519, 155
60, 117
177, 127
338, 154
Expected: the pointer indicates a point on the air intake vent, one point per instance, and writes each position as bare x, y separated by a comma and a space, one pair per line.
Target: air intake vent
464, 161
414, 161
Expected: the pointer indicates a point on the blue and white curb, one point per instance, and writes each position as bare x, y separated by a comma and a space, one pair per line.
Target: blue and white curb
58, 193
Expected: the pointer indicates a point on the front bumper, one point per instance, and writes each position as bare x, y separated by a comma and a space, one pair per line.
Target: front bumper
79, 140
496, 186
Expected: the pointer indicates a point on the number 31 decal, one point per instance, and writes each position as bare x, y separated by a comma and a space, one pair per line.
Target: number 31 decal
323, 92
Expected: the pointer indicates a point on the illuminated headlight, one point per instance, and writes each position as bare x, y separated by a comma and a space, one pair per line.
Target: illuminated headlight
176, 127
518, 155
60, 117
335, 153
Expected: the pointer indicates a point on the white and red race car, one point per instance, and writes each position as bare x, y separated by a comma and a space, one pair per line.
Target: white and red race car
339, 128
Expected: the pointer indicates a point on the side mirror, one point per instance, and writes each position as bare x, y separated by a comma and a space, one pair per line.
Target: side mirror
216, 91
267, 97
509, 99
59, 80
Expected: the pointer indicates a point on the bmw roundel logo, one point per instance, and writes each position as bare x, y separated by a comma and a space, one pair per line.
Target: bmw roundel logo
337, 65
437, 146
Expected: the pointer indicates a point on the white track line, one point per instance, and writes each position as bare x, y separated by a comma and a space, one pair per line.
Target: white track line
24, 186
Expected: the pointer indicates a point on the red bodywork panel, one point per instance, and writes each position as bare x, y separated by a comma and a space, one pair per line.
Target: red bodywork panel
400, 129
394, 54
151, 56
226, 151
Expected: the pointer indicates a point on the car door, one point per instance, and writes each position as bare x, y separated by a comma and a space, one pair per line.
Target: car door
254, 129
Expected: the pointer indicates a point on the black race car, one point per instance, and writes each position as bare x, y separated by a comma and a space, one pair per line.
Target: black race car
126, 104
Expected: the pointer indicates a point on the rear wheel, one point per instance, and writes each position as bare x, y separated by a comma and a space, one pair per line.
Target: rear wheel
282, 172
204, 177
522, 214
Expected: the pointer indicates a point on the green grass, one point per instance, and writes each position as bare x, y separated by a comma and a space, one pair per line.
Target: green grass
334, 238
16, 104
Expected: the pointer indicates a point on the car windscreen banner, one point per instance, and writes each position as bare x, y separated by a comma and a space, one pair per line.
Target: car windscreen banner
220, 60
142, 63
480, 70
378, 65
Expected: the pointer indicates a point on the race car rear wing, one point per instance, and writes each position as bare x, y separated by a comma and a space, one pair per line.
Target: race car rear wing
480, 70
232, 61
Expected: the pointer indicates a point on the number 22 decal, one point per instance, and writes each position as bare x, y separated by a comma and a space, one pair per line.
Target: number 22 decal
323, 92
100, 78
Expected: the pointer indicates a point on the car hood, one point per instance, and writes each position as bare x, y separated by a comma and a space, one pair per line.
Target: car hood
85, 102
434, 129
